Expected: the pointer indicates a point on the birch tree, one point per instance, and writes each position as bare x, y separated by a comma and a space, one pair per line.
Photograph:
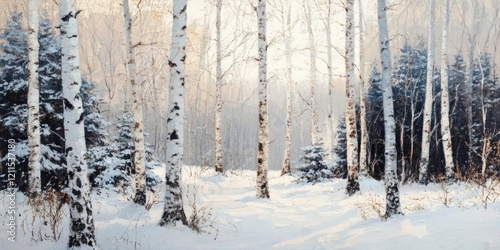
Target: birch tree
287, 35
426, 131
391, 181
218, 91
350, 113
363, 152
139, 160
35, 186
262, 158
81, 234
331, 119
312, 76
173, 210
445, 110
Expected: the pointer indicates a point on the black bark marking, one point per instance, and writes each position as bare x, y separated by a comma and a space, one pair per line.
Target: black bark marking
183, 9
68, 150
174, 135
80, 119
78, 182
76, 193
171, 64
66, 17
79, 208
68, 104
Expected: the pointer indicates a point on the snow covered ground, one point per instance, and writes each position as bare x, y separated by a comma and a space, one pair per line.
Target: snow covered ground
298, 216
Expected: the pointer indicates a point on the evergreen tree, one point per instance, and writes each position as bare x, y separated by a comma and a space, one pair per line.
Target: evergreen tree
119, 169
314, 168
458, 113
99, 148
375, 119
339, 168
51, 107
14, 96
410, 77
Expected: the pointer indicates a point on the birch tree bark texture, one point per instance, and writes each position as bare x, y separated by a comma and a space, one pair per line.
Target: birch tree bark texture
445, 103
173, 210
393, 206
81, 221
34, 182
139, 151
218, 92
350, 113
287, 34
426, 131
262, 154
363, 152
312, 76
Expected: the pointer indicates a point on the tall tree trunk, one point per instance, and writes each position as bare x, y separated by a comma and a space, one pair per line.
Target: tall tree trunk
391, 181
469, 84
139, 160
82, 223
262, 158
173, 210
35, 186
445, 103
350, 113
486, 147
312, 77
218, 91
426, 131
363, 153
331, 120
287, 34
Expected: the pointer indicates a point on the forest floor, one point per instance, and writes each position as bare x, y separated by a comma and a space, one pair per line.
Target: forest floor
298, 216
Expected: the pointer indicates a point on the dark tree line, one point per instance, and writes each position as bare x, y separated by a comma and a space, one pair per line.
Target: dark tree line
409, 79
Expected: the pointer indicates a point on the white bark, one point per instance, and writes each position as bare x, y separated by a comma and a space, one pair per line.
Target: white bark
350, 113
262, 158
287, 35
312, 77
218, 91
426, 131
445, 104
34, 182
391, 181
472, 47
82, 223
363, 152
331, 120
173, 210
139, 151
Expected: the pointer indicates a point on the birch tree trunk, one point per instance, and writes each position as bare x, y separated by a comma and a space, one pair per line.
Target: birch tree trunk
173, 210
350, 113
262, 158
218, 91
426, 131
331, 120
35, 186
391, 181
287, 34
445, 103
363, 153
472, 47
81, 234
312, 77
139, 159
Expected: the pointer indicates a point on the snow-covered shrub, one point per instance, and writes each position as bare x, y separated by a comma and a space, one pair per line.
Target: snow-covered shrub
313, 168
